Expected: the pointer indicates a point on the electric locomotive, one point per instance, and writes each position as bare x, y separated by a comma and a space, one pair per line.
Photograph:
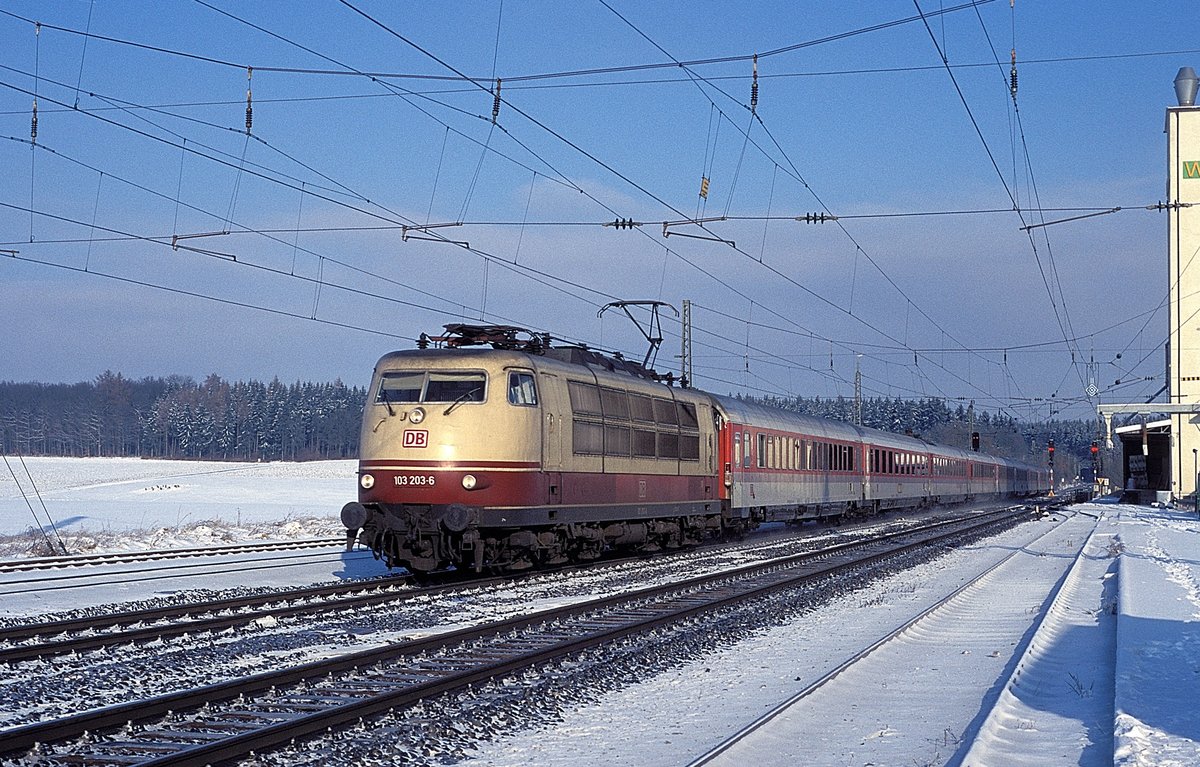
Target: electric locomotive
522, 454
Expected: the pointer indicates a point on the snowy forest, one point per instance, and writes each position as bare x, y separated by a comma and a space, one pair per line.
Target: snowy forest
176, 417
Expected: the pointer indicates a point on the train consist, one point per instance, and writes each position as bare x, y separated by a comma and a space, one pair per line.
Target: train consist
496, 450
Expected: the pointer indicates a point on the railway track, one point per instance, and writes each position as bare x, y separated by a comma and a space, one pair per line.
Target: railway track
122, 574
44, 640
47, 639
958, 611
42, 564
234, 718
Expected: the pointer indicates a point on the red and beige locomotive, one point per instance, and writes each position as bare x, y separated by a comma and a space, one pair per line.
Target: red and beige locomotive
497, 450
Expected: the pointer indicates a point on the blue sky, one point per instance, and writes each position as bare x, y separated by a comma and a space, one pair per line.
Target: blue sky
141, 137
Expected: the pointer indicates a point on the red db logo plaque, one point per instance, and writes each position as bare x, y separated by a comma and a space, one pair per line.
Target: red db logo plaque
416, 438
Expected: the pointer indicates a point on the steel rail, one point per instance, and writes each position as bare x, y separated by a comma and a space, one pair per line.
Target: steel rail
157, 555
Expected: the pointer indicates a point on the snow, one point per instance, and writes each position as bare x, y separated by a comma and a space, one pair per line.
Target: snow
101, 505
1082, 646
1158, 641
118, 496
959, 693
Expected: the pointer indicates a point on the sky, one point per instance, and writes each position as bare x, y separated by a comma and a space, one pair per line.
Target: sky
369, 119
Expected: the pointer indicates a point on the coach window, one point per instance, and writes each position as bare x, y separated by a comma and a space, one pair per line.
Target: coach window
762, 451
521, 389
737, 448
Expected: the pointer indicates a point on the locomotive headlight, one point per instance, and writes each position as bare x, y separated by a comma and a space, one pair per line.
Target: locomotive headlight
468, 482
367, 481
416, 415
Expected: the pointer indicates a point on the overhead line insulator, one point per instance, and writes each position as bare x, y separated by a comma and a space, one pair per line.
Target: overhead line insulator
816, 218
1013, 75
623, 223
249, 105
754, 88
496, 102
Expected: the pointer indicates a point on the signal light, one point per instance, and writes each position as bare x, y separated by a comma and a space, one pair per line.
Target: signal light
1095, 447
975, 441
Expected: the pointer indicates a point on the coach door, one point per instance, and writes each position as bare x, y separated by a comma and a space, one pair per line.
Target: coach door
556, 420
740, 462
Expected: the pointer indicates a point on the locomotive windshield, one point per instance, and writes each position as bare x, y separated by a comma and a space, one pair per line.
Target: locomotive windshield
431, 386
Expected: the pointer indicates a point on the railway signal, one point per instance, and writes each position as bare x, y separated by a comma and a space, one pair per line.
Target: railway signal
1050, 461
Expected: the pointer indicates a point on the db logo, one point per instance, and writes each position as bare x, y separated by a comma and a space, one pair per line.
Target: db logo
416, 438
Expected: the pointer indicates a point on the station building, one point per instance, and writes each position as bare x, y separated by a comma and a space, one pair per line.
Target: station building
1162, 445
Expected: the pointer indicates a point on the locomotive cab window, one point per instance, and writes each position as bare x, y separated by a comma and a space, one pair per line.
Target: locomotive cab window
521, 389
455, 387
408, 386
400, 387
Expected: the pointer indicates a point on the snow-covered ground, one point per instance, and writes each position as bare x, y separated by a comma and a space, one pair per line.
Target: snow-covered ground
115, 504
1105, 667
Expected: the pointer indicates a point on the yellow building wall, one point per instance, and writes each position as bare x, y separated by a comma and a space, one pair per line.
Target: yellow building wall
1183, 276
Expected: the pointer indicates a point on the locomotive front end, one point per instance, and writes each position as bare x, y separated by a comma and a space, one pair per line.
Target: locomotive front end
446, 434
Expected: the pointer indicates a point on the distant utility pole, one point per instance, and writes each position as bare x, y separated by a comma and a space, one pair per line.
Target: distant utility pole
857, 391
685, 353
971, 419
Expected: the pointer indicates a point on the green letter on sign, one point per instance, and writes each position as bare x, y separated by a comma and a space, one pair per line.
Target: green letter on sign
1191, 169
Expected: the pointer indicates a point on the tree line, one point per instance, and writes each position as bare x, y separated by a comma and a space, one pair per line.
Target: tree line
176, 417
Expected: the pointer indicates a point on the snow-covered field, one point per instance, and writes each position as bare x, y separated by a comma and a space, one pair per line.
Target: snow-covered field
117, 504
1106, 672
